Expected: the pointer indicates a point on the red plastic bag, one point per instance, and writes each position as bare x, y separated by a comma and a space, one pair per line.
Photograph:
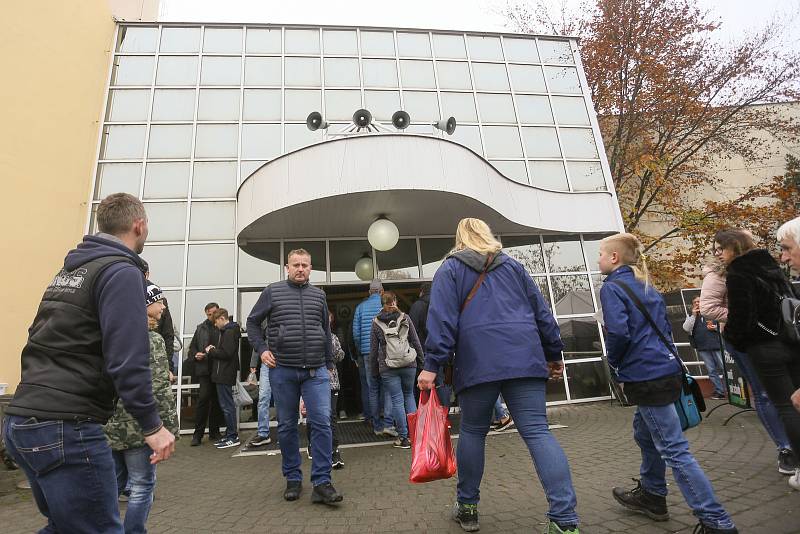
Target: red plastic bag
432, 454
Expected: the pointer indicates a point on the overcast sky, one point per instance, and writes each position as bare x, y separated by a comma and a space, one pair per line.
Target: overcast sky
736, 15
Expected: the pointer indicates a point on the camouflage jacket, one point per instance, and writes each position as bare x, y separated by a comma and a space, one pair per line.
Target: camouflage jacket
122, 430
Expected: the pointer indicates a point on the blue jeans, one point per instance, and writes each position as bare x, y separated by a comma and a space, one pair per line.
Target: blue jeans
713, 361
225, 396
525, 398
764, 408
264, 395
379, 400
657, 431
71, 471
499, 412
135, 472
288, 385
366, 408
399, 384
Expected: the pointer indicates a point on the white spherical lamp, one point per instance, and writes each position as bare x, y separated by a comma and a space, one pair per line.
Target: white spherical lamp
383, 234
364, 269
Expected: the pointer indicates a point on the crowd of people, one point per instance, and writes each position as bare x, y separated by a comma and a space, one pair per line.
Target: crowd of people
482, 326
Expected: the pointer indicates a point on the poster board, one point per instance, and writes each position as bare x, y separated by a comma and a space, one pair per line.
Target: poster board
736, 385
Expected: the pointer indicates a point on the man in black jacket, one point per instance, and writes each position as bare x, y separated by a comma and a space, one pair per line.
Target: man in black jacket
298, 351
208, 409
87, 345
224, 363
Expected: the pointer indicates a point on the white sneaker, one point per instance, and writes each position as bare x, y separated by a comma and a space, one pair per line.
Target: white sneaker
794, 480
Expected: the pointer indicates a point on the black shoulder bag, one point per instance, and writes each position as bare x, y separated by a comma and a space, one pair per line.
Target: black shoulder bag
691, 401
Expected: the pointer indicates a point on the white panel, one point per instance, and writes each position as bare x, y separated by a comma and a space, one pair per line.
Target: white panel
212, 220
166, 221
210, 265
166, 264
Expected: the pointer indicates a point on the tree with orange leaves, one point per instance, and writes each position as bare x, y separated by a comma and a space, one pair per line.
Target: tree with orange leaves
671, 101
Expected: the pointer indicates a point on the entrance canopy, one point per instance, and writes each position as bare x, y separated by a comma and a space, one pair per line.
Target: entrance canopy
424, 184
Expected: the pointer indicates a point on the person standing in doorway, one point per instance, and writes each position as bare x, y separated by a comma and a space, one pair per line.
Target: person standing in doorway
297, 349
377, 399
88, 345
208, 408
394, 352
704, 335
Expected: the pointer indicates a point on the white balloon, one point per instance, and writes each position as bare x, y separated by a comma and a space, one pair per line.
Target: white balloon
383, 234
364, 269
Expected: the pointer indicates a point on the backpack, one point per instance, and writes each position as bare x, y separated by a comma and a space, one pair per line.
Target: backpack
398, 350
788, 328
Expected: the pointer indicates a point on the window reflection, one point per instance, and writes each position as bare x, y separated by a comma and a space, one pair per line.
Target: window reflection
399, 263
433, 252
571, 294
581, 337
563, 254
527, 250
344, 255
587, 380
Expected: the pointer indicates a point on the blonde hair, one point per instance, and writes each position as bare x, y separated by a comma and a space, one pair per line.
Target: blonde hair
476, 235
631, 253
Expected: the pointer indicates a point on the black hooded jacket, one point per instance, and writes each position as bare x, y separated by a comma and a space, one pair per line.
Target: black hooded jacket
88, 342
755, 284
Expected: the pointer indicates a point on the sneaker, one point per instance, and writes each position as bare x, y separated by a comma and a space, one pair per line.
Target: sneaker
504, 424
787, 462
123, 497
466, 515
402, 443
326, 494
389, 431
700, 528
554, 528
195, 442
718, 396
639, 500
342, 414
308, 452
794, 480
293, 489
226, 443
258, 441
337, 462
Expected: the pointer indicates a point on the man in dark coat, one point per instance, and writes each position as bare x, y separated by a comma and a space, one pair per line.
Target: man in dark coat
208, 408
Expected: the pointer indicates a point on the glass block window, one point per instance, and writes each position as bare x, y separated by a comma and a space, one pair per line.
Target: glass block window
379, 73
453, 75
483, 48
128, 105
262, 71
448, 46
177, 70
341, 72
262, 105
413, 44
302, 42
222, 41
174, 104
133, 70
263, 41
340, 42
137, 39
377, 43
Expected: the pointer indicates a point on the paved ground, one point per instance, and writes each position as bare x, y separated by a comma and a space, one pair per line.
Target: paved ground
206, 490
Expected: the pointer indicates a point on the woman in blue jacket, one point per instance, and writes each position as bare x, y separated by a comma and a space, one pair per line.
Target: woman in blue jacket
505, 341
651, 376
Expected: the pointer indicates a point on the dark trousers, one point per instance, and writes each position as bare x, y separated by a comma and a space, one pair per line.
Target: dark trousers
208, 409
778, 366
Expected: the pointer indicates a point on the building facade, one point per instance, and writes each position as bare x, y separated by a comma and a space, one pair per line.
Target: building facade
207, 125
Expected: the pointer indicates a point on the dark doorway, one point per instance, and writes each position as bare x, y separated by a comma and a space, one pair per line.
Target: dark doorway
342, 301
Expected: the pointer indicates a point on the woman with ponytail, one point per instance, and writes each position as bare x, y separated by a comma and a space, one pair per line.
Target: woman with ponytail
651, 375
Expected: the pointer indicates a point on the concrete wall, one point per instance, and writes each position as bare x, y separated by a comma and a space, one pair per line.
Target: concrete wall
54, 60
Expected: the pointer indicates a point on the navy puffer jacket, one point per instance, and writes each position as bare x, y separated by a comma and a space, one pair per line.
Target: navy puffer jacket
506, 332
